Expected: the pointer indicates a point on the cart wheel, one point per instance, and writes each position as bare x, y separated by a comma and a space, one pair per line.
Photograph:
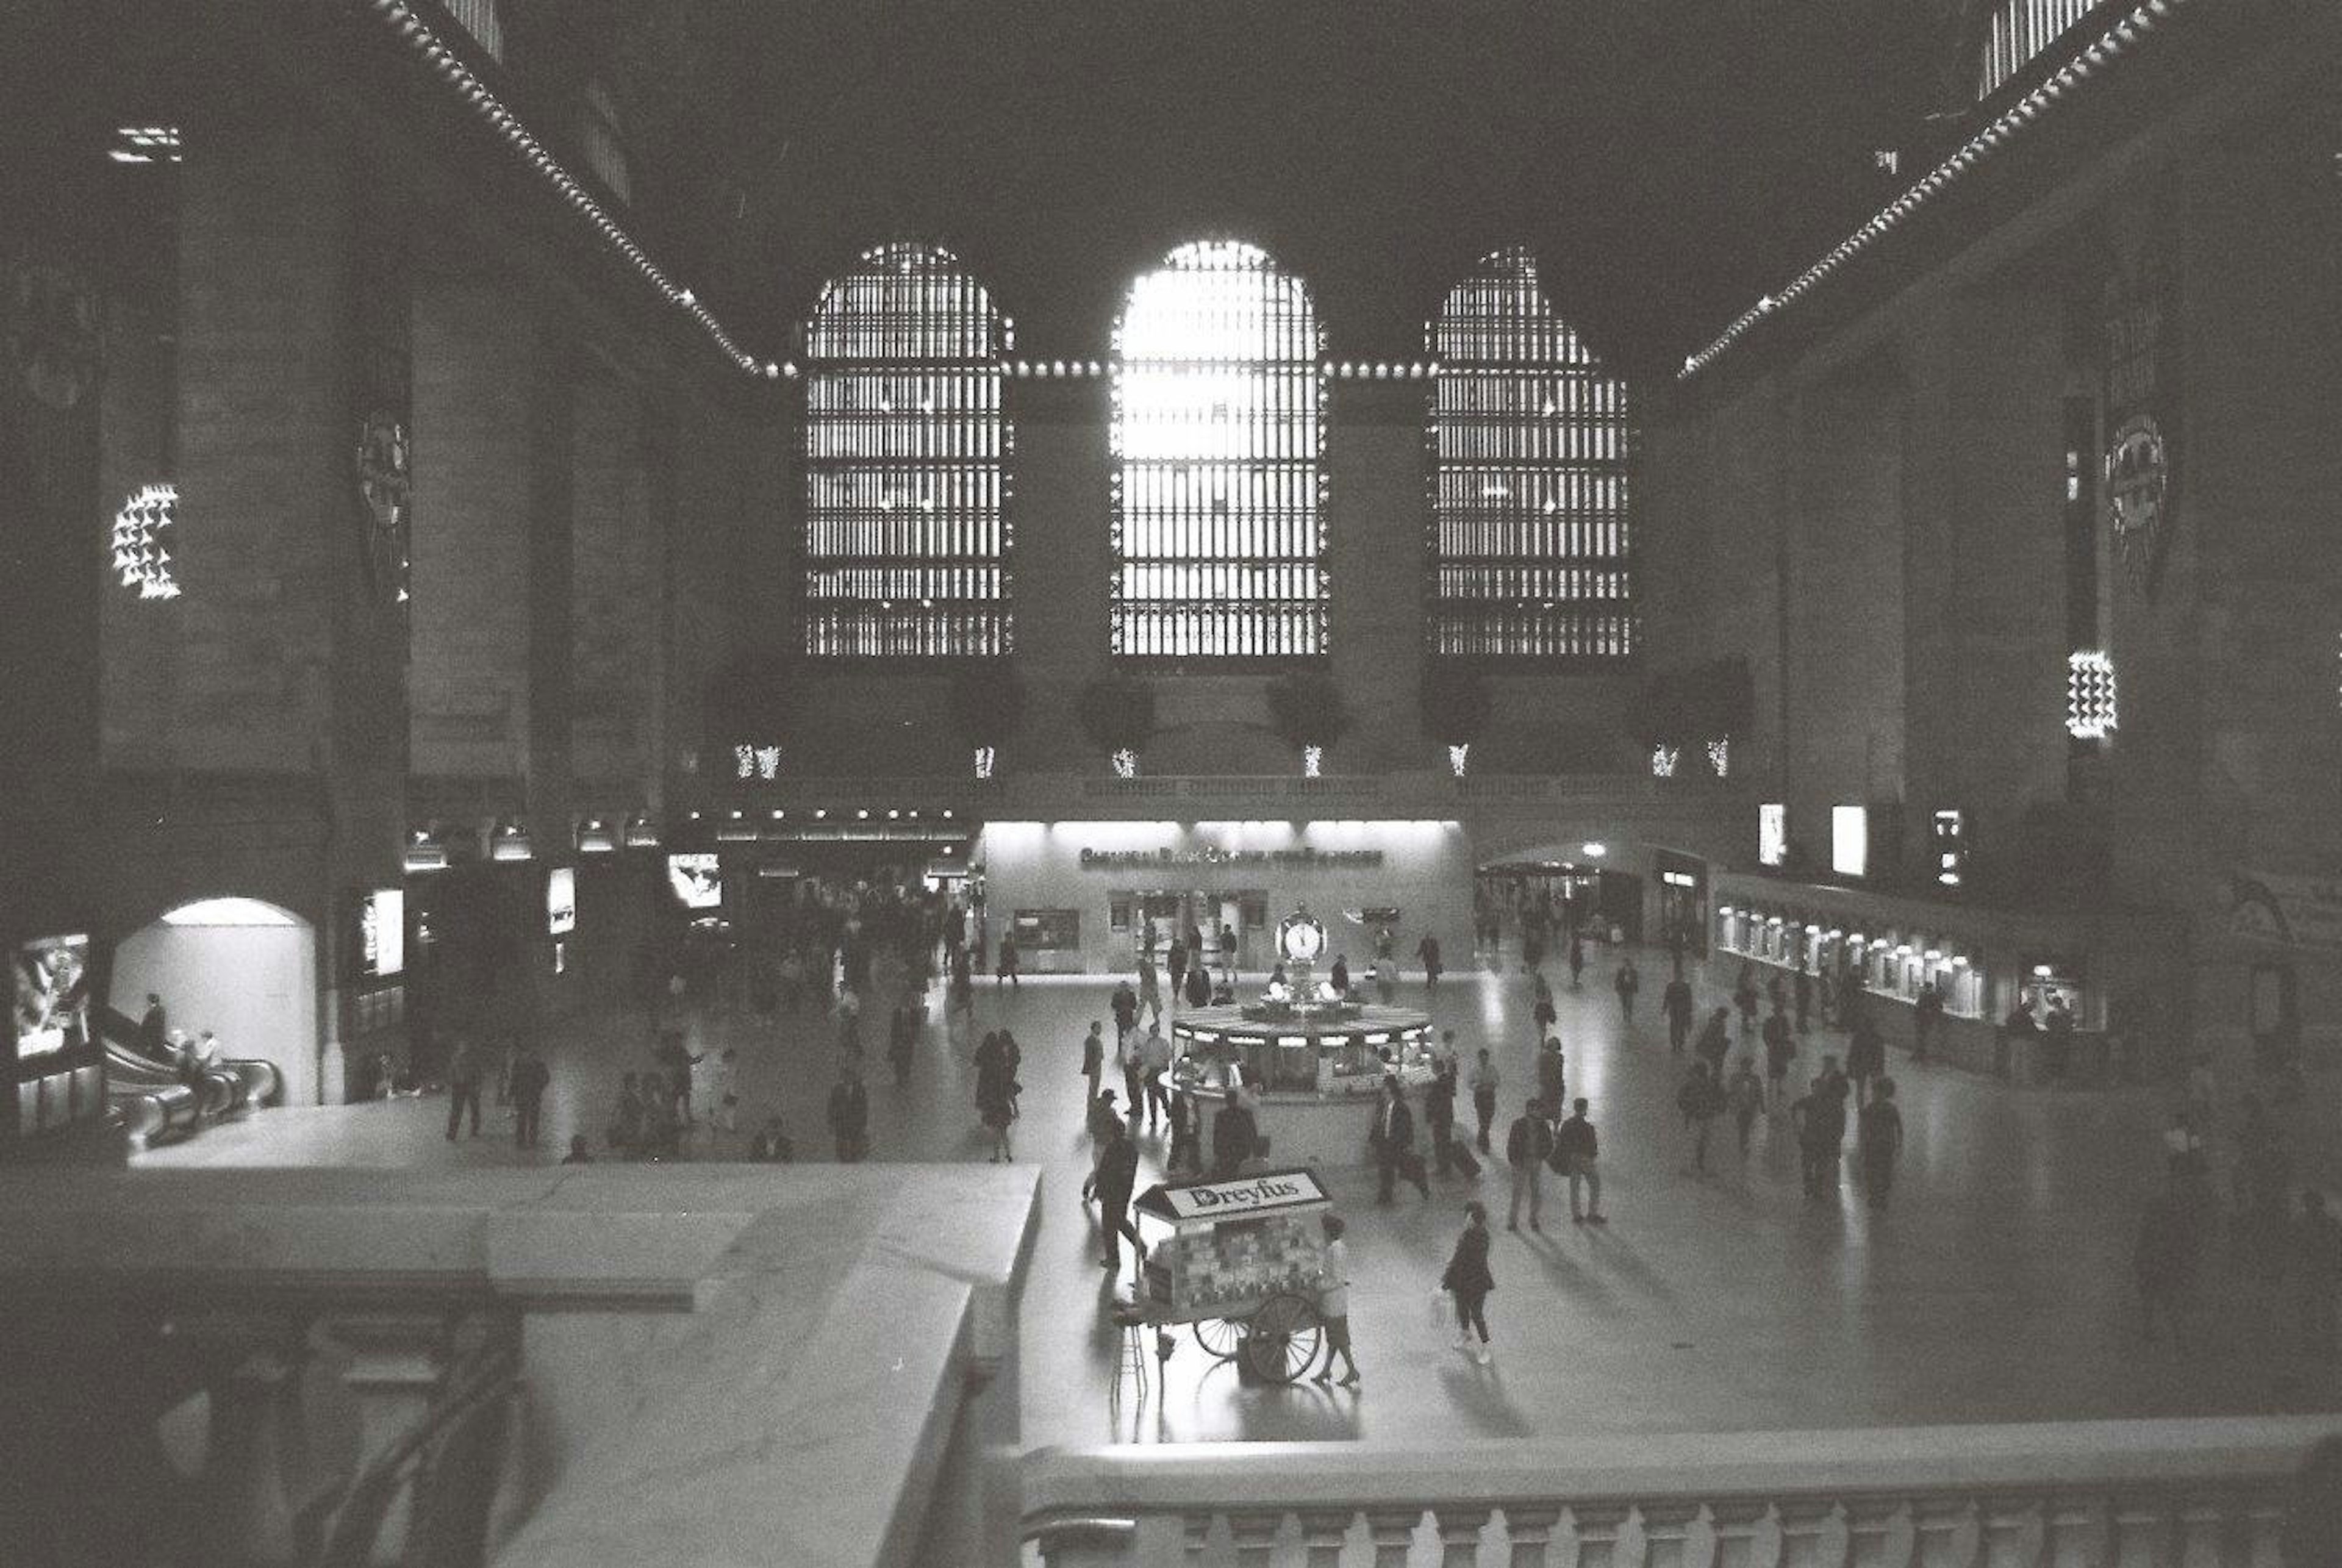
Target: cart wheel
1220, 1338
1284, 1339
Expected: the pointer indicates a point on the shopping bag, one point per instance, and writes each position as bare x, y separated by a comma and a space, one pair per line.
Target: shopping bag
1443, 1309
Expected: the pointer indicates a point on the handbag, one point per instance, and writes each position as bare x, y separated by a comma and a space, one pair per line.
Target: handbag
1443, 1308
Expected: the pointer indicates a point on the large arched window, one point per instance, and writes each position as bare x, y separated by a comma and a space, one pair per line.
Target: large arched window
906, 545
605, 137
1218, 424
1530, 546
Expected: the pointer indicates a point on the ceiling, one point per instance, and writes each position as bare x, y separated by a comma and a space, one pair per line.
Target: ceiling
1668, 159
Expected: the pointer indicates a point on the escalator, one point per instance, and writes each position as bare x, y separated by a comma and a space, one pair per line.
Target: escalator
155, 1100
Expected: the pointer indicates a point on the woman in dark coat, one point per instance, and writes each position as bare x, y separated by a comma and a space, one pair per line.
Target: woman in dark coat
1467, 1279
995, 1093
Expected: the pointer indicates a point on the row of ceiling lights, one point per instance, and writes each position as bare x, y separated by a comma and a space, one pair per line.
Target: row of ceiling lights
2118, 41
821, 813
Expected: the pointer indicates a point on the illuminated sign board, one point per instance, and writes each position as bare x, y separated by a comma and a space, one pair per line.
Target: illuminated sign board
1850, 840
696, 880
382, 932
561, 900
1772, 833
1948, 837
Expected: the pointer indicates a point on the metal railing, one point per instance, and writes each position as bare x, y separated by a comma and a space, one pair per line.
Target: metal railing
2212, 1492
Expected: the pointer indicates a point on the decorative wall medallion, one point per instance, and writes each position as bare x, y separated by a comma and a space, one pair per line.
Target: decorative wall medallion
2137, 490
54, 345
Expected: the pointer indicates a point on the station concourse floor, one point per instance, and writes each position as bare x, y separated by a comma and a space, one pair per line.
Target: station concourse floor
1997, 1287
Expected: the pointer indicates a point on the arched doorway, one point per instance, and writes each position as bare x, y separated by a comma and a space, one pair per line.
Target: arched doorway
242, 969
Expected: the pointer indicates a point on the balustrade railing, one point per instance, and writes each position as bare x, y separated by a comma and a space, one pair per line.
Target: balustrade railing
2210, 1493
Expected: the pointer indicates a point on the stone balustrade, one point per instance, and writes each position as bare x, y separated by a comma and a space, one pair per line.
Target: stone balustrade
2206, 1493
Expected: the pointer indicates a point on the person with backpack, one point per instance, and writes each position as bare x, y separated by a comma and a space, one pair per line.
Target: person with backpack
1528, 1147
1576, 1150
1701, 1100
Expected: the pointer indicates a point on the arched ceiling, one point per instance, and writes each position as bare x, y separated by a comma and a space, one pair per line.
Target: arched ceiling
1667, 158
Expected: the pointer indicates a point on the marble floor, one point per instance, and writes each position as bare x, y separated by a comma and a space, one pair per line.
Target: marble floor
1997, 1288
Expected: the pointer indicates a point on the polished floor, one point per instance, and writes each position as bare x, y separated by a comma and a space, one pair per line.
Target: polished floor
1995, 1288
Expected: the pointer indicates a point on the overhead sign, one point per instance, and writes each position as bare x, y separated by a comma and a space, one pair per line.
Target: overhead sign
1212, 854
1275, 1192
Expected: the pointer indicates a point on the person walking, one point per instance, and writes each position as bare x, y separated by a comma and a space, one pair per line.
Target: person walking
1926, 1018
1093, 1062
1150, 989
1010, 970
1439, 1115
1485, 1080
1187, 1152
1125, 1008
1627, 982
1334, 1302
1576, 960
1744, 994
1676, 1005
1878, 1141
1577, 1148
1386, 980
1701, 1100
1865, 1055
1467, 1279
1715, 1042
1392, 1139
1153, 1061
1745, 1096
1779, 1048
1341, 975
465, 1073
849, 1114
1426, 952
1801, 987
1528, 1147
1552, 1070
1541, 1008
1103, 1119
903, 1038
1819, 1118
963, 984
530, 1079
1117, 1178
1132, 1061
154, 1030
996, 1104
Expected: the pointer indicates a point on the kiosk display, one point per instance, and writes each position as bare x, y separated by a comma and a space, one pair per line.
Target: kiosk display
52, 997
696, 879
561, 900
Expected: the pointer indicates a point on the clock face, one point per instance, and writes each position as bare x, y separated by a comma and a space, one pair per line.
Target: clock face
1302, 939
2137, 484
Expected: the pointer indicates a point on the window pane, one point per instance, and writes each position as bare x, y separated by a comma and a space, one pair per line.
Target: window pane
1531, 548
1219, 540
905, 549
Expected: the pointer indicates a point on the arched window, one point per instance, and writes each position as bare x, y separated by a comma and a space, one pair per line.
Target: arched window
1218, 424
1530, 544
906, 545
605, 143
2019, 32
479, 18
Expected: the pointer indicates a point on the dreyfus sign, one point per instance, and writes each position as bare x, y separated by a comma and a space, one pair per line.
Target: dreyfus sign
1251, 1195
1212, 854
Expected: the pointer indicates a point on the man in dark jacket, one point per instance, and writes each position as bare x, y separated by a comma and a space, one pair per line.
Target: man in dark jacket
1577, 1148
154, 1030
1118, 1177
1528, 1147
1124, 1007
530, 1078
1392, 1139
1439, 1113
464, 1071
1676, 1003
1234, 1135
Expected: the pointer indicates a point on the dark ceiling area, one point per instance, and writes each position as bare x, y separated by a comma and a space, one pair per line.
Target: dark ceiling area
1667, 160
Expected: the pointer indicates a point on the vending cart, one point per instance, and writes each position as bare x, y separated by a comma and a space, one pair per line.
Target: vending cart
1237, 1260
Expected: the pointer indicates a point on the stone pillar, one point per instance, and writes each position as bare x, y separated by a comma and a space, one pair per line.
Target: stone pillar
1377, 508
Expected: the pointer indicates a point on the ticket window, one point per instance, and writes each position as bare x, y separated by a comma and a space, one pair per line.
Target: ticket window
2046, 983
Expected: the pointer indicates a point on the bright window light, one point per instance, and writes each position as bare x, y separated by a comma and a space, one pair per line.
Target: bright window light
1850, 840
228, 912
1218, 427
145, 144
906, 542
1529, 536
